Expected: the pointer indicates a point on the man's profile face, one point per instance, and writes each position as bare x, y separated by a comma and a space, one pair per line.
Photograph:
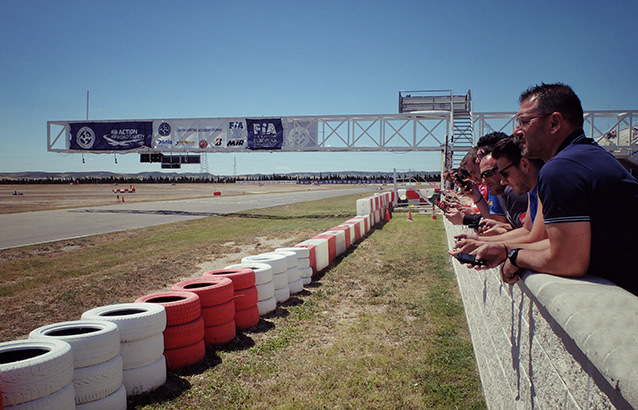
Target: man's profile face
512, 175
490, 176
531, 129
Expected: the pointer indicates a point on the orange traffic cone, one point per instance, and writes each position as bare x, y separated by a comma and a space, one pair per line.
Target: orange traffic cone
387, 215
410, 215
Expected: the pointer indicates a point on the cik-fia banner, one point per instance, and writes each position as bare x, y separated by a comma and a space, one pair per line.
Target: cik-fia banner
110, 136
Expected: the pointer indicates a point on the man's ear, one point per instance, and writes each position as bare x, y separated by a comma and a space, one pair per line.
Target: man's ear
556, 121
524, 164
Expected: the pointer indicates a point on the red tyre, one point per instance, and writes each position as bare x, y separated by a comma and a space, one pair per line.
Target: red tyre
220, 334
247, 318
242, 278
212, 290
246, 298
184, 335
185, 356
181, 307
218, 314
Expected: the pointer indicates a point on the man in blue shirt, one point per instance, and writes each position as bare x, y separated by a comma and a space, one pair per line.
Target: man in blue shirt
589, 199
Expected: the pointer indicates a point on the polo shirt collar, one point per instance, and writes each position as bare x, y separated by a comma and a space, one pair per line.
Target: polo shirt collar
571, 138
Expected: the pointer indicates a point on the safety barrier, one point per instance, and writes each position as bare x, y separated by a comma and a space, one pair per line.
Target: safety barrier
171, 329
551, 342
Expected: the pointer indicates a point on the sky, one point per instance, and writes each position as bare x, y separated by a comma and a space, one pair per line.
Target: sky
194, 59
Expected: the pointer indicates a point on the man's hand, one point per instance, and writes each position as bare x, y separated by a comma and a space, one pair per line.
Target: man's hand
510, 274
455, 217
489, 227
493, 254
467, 245
462, 236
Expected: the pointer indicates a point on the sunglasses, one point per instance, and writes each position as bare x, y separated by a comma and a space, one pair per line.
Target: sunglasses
488, 173
502, 171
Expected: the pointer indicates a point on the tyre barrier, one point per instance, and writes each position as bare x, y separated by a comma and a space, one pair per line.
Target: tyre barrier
97, 363
76, 364
183, 309
245, 295
141, 326
295, 284
218, 306
37, 374
312, 259
279, 265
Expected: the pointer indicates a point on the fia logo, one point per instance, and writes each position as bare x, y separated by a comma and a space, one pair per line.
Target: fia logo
85, 138
265, 128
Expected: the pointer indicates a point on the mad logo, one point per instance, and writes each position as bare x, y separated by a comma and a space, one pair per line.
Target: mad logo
85, 138
164, 129
203, 144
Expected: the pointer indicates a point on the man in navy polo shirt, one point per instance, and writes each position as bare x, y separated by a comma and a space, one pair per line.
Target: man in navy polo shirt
589, 199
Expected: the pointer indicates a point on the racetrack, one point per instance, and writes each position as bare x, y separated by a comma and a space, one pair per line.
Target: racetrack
29, 228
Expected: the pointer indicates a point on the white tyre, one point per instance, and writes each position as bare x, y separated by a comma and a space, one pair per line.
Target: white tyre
115, 401
265, 291
282, 295
301, 252
303, 263
135, 321
139, 353
63, 399
305, 273
296, 286
293, 274
276, 261
267, 306
92, 341
306, 281
263, 272
33, 369
280, 280
291, 258
99, 381
146, 378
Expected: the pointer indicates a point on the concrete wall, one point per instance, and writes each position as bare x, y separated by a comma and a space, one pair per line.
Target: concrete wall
551, 342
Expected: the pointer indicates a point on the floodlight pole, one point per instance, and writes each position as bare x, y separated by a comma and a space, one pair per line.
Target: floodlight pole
87, 105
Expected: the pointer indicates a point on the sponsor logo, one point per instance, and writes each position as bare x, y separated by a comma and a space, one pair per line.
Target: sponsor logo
203, 144
218, 142
235, 143
236, 129
164, 129
185, 143
85, 138
161, 141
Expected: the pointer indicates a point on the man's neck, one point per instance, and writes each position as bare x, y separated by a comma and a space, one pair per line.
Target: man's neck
570, 135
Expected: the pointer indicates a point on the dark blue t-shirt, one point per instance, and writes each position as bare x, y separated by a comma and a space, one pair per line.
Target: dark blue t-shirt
583, 182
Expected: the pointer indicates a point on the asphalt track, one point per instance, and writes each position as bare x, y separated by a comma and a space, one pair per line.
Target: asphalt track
30, 228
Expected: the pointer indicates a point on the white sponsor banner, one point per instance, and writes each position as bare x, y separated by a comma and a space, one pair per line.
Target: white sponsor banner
187, 134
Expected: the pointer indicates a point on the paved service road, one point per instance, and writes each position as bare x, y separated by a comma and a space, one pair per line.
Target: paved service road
31, 228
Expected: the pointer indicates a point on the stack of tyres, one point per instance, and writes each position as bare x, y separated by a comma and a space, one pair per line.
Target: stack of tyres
303, 263
37, 374
141, 342
218, 307
245, 295
295, 284
279, 267
97, 363
266, 302
183, 327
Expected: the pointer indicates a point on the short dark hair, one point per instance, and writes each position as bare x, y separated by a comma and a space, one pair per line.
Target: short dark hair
488, 141
556, 97
469, 157
510, 148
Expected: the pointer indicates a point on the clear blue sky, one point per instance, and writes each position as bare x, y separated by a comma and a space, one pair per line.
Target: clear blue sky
154, 59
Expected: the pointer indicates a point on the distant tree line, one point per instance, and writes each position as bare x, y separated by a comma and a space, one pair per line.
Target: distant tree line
181, 179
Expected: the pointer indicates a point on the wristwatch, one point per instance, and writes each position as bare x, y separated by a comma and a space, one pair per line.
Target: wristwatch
512, 255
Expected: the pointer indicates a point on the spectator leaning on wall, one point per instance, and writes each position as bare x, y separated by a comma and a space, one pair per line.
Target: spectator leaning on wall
589, 199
